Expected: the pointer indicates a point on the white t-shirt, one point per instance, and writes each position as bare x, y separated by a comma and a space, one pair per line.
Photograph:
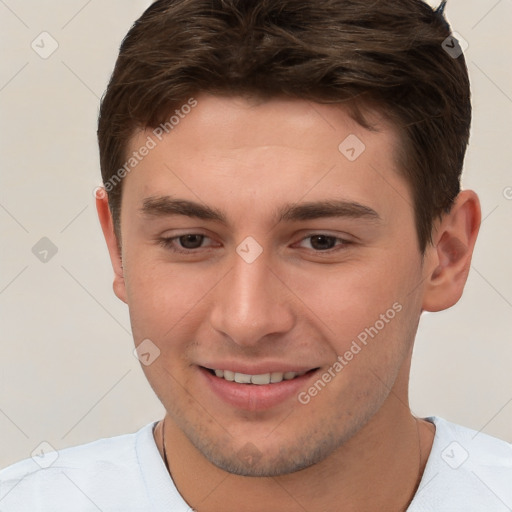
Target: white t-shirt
466, 471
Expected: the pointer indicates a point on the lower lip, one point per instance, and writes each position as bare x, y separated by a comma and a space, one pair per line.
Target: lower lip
254, 397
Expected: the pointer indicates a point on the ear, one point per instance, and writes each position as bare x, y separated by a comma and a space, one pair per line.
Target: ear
113, 246
448, 259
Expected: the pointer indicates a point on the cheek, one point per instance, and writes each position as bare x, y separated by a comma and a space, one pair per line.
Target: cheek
380, 340
366, 315
351, 297
165, 299
156, 298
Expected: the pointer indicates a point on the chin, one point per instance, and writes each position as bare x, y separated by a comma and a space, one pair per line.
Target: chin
262, 466
270, 460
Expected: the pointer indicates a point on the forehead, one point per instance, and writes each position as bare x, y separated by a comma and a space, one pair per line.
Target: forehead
236, 120
229, 149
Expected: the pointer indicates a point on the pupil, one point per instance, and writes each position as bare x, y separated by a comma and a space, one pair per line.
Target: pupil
322, 242
191, 241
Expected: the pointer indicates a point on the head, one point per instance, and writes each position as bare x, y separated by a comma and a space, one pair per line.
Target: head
283, 183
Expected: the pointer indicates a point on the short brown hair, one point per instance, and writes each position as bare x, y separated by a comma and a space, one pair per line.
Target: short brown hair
382, 55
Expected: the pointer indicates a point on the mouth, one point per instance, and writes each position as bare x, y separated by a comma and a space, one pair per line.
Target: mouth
258, 391
260, 379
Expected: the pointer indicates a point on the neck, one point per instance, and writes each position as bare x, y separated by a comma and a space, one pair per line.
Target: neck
379, 468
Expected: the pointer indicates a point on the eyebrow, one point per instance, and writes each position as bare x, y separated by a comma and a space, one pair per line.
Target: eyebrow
162, 206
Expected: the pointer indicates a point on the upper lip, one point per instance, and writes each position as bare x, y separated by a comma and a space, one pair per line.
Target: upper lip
257, 369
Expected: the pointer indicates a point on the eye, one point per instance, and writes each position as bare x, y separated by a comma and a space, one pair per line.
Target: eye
191, 241
321, 242
184, 243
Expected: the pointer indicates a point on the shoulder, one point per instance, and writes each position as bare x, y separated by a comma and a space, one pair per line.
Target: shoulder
75, 478
471, 450
466, 470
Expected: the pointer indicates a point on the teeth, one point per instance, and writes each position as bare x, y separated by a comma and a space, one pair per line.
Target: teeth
264, 378
261, 379
229, 375
242, 378
276, 377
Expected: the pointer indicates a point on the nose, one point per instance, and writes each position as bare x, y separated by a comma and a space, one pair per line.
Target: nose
251, 303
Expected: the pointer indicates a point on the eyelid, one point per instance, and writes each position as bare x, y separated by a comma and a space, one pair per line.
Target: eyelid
344, 237
344, 241
169, 242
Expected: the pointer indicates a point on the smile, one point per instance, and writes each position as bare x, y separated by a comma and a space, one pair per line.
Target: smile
260, 380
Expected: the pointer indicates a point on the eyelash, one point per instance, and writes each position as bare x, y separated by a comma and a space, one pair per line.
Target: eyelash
168, 243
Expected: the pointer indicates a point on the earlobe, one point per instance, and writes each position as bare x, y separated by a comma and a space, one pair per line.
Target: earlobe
451, 254
107, 226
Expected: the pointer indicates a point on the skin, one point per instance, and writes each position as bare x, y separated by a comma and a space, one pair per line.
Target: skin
295, 304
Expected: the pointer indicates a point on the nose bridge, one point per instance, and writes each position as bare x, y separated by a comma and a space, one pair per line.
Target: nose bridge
251, 302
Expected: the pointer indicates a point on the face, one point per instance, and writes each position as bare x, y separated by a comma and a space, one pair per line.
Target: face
255, 247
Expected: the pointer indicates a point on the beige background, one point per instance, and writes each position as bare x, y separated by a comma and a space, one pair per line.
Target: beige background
68, 374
